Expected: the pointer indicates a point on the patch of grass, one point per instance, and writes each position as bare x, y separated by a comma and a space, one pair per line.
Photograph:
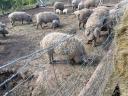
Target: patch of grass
19, 9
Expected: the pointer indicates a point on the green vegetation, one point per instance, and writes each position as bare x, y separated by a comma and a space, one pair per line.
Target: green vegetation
7, 5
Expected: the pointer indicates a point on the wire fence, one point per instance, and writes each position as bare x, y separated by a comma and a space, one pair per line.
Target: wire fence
77, 80
97, 83
29, 60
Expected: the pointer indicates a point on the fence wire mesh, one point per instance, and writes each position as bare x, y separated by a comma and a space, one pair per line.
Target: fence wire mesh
64, 88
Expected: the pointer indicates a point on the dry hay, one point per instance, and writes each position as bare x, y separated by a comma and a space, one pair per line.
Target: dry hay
122, 46
120, 76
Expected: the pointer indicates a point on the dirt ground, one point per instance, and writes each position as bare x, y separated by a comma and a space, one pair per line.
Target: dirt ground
24, 39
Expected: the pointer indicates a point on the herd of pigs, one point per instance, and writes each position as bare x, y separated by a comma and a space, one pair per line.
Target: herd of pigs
91, 14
